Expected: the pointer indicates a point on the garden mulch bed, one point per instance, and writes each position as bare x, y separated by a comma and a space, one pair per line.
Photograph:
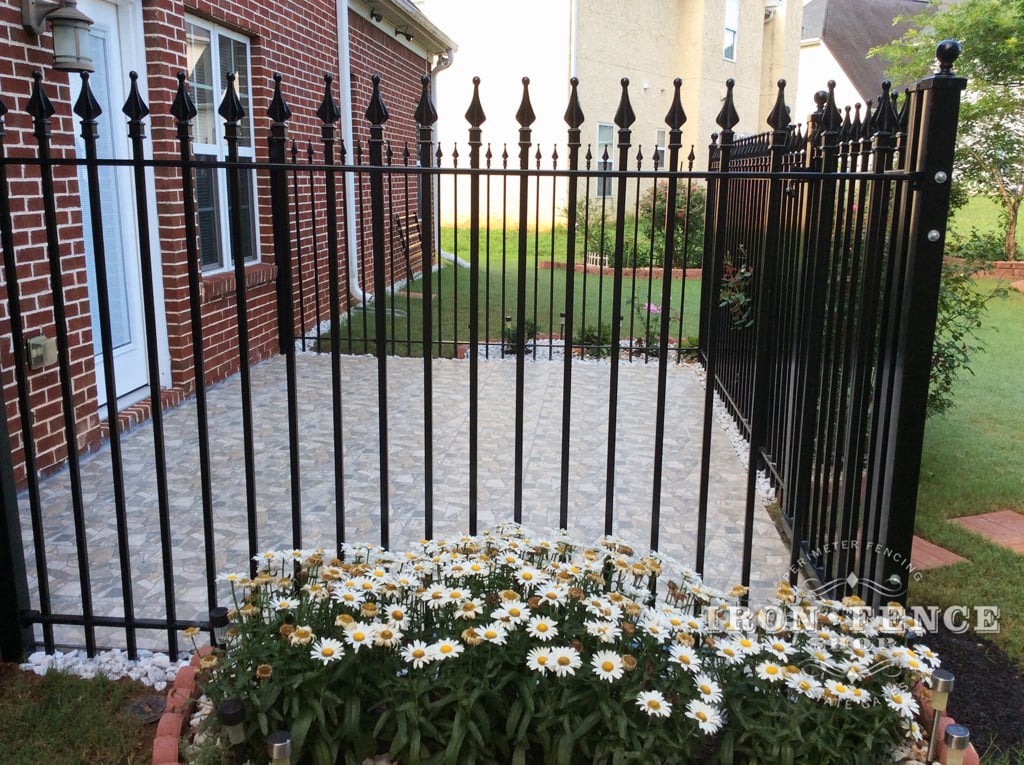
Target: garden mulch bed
988, 694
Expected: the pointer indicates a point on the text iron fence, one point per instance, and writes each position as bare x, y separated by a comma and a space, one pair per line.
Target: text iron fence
819, 255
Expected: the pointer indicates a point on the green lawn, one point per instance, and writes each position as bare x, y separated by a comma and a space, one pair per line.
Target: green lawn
981, 213
545, 290
973, 463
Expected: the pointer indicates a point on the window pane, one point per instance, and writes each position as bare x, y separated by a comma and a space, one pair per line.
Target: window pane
729, 45
233, 58
247, 213
200, 65
206, 214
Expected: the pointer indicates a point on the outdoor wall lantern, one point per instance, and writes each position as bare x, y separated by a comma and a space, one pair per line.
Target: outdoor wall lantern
279, 747
219, 623
957, 739
942, 686
232, 716
70, 31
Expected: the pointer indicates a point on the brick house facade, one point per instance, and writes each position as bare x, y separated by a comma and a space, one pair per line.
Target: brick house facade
159, 38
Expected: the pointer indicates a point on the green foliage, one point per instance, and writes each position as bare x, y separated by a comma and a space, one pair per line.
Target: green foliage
503, 648
990, 151
644, 237
688, 224
595, 341
514, 338
960, 310
736, 291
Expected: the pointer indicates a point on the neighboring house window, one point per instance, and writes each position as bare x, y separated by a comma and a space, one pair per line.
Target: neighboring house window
212, 53
605, 137
660, 141
732, 25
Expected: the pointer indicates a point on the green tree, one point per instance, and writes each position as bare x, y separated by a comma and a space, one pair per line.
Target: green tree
990, 147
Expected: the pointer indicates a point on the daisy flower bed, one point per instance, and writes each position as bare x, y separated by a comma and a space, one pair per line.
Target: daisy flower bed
511, 648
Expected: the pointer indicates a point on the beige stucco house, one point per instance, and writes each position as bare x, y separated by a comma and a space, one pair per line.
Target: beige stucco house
650, 42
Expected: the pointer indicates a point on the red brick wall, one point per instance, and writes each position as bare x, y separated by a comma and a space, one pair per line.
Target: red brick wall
20, 55
302, 58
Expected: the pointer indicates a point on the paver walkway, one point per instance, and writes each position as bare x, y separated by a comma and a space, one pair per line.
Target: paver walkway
1003, 527
633, 475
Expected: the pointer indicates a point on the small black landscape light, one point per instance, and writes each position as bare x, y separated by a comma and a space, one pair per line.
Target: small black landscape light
279, 747
231, 713
219, 623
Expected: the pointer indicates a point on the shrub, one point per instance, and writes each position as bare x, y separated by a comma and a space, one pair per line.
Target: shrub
595, 341
653, 219
507, 647
961, 305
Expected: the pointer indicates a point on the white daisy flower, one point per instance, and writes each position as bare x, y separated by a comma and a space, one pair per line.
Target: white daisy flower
709, 690
386, 635
554, 595
468, 609
539, 659
779, 648
803, 683
770, 671
900, 699
542, 628
607, 665
327, 650
447, 649
730, 651
565, 661
418, 654
514, 612
685, 657
286, 604
606, 632
301, 635
655, 628
359, 635
709, 718
494, 633
654, 704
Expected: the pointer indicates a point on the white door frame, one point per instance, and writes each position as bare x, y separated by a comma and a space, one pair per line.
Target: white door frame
132, 47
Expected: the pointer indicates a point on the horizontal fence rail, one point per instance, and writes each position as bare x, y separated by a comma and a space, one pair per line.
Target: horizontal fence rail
795, 271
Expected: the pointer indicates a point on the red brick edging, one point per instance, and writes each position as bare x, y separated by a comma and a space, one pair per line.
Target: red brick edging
180, 700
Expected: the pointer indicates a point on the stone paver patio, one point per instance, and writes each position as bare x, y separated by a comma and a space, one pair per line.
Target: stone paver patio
543, 384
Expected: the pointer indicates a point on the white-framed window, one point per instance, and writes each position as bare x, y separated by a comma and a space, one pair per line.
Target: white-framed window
732, 26
605, 148
213, 52
660, 143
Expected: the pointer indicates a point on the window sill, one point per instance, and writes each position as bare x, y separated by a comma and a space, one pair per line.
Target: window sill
221, 285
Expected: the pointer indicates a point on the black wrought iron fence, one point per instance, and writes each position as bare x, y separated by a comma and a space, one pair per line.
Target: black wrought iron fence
821, 253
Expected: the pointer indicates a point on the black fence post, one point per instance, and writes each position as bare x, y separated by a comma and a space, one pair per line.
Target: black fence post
675, 119
766, 320
933, 128
624, 118
714, 256
574, 119
377, 115
279, 114
475, 116
426, 116
15, 633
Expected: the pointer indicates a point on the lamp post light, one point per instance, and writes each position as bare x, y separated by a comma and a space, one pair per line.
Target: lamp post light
942, 686
957, 739
279, 747
219, 623
70, 31
231, 713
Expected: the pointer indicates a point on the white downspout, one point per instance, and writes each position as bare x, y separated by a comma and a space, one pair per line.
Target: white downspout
345, 83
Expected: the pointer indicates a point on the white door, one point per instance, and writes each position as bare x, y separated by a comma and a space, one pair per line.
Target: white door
117, 203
